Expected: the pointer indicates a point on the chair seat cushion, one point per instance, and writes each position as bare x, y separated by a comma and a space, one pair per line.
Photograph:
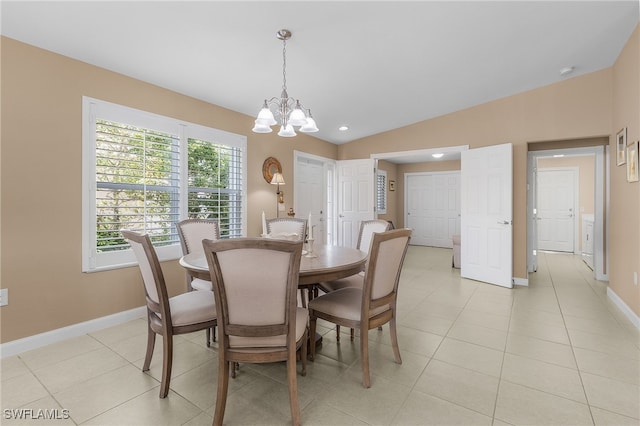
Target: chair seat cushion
356, 280
200, 284
192, 307
302, 319
344, 303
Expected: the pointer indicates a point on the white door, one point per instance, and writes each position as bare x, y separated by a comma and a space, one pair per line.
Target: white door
433, 207
487, 209
555, 216
356, 198
311, 193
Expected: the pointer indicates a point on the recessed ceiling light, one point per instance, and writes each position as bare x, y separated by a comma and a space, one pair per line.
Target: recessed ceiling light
558, 156
566, 71
437, 155
343, 128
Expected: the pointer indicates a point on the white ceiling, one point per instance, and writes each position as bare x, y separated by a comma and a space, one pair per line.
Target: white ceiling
373, 66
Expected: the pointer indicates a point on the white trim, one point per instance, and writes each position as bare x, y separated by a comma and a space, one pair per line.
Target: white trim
600, 253
521, 281
54, 336
390, 156
626, 310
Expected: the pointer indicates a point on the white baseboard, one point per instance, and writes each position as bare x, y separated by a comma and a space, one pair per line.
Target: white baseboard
623, 307
521, 281
32, 342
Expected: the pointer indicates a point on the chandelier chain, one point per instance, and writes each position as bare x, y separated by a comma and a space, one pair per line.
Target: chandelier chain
284, 65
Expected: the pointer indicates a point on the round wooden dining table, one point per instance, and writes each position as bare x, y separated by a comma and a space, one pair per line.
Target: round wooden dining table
330, 263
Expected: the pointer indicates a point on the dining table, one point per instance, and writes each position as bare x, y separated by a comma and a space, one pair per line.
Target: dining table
325, 263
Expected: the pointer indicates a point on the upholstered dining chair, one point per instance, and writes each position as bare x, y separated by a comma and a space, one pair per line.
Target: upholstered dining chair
372, 305
286, 226
167, 316
289, 228
191, 233
259, 320
367, 228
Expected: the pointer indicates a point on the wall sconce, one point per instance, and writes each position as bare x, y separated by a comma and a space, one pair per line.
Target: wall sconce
277, 179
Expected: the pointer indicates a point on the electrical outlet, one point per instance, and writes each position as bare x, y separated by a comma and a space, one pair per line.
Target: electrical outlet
4, 297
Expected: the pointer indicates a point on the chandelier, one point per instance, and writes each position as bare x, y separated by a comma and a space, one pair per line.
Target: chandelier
286, 111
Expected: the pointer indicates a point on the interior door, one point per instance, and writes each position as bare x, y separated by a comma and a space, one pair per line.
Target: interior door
486, 204
310, 195
433, 207
356, 198
555, 205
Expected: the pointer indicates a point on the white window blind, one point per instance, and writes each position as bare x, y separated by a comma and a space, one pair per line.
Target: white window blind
381, 191
216, 185
146, 172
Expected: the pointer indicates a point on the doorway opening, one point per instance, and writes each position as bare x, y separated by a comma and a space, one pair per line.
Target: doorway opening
565, 215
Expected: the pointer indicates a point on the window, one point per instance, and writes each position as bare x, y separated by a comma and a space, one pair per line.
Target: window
381, 191
147, 172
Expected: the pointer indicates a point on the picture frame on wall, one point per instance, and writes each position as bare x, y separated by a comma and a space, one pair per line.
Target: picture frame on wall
621, 144
632, 161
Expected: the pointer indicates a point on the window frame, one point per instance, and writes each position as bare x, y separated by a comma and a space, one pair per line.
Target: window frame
92, 261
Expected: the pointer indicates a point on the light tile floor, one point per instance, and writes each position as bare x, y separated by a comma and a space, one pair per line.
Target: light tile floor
557, 352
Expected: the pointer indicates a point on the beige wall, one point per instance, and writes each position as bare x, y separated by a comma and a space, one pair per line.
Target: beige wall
586, 184
588, 106
578, 107
624, 226
41, 185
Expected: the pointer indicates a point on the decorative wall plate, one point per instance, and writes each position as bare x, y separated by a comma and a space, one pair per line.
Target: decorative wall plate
270, 166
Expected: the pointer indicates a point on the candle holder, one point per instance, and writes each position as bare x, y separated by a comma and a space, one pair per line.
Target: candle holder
310, 252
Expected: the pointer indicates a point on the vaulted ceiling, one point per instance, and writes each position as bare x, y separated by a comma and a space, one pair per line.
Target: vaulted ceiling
372, 66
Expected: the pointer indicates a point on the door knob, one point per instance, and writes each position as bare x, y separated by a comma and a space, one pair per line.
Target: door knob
504, 222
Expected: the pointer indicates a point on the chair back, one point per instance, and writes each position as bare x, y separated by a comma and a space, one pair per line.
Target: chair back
285, 226
152, 276
382, 275
255, 282
367, 228
193, 231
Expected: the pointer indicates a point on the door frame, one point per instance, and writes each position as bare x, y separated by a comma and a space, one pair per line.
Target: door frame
576, 202
327, 164
601, 201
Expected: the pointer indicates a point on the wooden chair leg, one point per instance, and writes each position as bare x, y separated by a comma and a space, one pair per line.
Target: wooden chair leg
151, 341
353, 334
364, 351
312, 336
293, 387
337, 333
208, 331
303, 351
167, 361
394, 340
213, 330
223, 387
303, 300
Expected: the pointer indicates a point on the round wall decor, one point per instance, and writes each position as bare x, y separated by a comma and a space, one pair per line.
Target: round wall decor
270, 166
